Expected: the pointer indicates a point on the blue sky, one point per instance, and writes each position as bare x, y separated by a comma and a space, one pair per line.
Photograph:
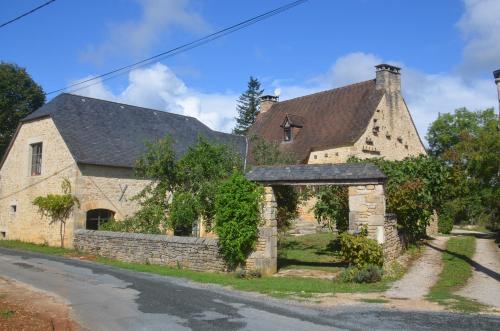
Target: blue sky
447, 49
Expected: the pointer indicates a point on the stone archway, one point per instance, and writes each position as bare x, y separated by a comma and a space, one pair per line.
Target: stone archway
97, 217
366, 201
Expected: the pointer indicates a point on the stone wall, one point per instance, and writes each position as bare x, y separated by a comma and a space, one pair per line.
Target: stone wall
367, 208
393, 244
265, 257
19, 188
112, 188
200, 254
390, 134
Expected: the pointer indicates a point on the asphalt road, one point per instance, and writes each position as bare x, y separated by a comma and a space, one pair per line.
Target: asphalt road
108, 298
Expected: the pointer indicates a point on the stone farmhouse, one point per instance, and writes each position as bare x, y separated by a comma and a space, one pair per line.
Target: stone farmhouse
94, 144
366, 119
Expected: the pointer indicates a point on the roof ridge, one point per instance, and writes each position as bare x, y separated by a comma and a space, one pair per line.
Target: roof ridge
151, 110
129, 105
327, 91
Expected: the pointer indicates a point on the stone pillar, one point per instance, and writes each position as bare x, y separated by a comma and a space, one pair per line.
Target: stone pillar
265, 256
367, 208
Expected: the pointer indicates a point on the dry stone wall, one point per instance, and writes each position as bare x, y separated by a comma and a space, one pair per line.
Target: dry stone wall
200, 254
393, 244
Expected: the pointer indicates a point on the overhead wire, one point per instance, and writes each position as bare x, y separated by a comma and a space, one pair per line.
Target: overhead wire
27, 13
177, 50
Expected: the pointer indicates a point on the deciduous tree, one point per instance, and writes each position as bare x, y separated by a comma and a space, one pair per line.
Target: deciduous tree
19, 96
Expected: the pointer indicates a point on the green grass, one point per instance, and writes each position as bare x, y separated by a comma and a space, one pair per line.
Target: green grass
276, 286
456, 272
314, 251
16, 244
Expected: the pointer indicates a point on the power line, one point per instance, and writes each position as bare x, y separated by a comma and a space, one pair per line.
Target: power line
180, 49
27, 13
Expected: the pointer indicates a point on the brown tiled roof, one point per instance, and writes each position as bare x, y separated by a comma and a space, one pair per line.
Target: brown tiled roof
331, 118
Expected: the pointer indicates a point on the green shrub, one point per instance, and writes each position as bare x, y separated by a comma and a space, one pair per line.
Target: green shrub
184, 211
369, 274
58, 207
237, 217
445, 223
360, 251
332, 207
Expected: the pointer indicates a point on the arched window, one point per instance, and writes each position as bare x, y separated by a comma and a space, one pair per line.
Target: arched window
97, 217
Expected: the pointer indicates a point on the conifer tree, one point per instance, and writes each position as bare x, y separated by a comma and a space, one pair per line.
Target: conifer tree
248, 106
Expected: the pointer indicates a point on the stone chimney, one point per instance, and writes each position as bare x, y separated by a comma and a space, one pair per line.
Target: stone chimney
496, 74
388, 77
266, 102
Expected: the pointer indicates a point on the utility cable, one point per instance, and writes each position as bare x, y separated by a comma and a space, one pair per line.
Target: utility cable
26, 14
180, 49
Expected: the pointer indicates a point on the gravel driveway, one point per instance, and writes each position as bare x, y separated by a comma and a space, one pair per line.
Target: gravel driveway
422, 275
484, 285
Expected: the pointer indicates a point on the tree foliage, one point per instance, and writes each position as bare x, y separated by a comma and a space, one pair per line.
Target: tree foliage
248, 107
332, 207
237, 217
19, 96
266, 153
58, 207
181, 190
415, 187
469, 143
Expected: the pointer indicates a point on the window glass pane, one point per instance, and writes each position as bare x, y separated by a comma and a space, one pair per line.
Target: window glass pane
36, 159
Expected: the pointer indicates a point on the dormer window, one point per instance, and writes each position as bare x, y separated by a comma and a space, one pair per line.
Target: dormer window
287, 133
291, 126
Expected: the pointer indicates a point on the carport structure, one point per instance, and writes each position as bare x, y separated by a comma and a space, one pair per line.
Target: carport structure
366, 201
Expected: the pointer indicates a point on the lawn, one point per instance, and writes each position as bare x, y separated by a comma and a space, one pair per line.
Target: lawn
314, 251
275, 286
456, 272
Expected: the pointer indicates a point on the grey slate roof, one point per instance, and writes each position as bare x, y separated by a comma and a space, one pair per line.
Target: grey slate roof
108, 133
321, 173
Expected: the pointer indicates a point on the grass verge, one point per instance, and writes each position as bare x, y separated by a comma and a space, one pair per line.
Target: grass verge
456, 272
313, 251
275, 286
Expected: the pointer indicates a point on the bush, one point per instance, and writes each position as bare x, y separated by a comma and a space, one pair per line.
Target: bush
237, 217
332, 208
360, 251
184, 211
415, 187
369, 274
445, 223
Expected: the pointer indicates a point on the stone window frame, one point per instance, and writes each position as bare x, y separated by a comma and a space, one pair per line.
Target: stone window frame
36, 158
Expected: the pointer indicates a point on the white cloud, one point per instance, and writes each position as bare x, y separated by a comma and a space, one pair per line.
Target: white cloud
480, 26
137, 37
158, 87
426, 94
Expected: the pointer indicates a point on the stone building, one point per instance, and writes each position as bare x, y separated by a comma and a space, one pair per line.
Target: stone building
366, 119
94, 144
